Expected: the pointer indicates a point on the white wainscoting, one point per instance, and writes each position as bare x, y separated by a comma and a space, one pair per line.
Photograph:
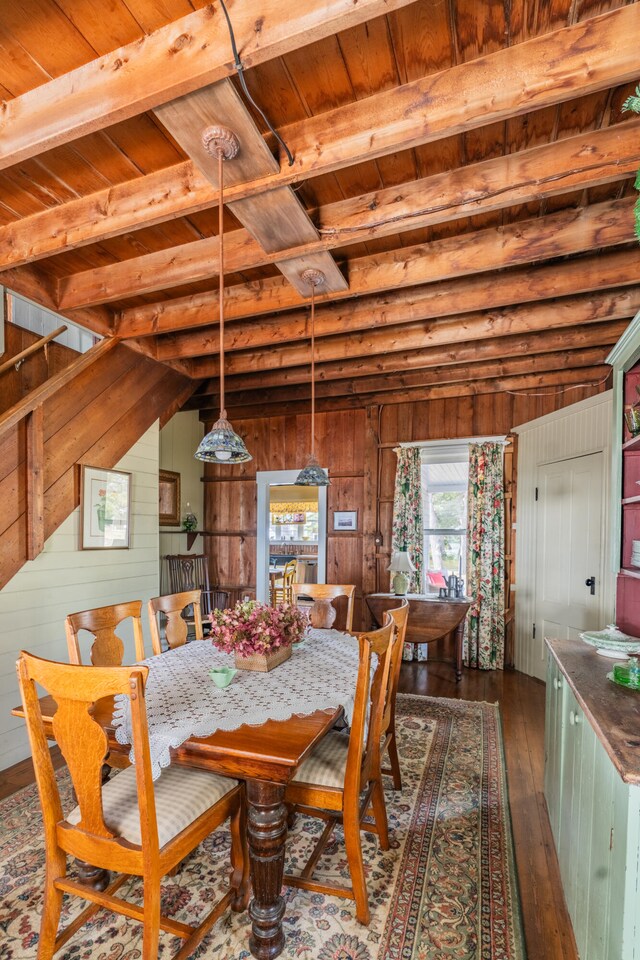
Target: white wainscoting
64, 579
579, 429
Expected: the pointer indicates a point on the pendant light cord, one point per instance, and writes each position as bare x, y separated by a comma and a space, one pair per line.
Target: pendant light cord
238, 64
313, 369
223, 412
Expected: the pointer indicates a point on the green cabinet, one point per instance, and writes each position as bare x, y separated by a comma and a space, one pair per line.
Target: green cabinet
595, 820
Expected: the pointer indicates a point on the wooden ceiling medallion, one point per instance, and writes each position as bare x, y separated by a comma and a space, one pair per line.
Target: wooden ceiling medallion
221, 444
220, 141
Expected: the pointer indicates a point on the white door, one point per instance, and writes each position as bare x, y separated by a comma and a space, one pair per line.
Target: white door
568, 551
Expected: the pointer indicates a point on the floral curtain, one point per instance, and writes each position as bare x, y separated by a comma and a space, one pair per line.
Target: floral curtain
408, 533
485, 561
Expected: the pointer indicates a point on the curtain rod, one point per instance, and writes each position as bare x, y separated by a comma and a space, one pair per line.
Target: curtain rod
453, 442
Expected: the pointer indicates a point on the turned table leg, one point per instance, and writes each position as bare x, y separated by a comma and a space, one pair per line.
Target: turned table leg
459, 645
267, 834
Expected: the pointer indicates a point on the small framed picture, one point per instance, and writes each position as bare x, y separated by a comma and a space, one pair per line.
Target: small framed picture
105, 509
169, 498
345, 520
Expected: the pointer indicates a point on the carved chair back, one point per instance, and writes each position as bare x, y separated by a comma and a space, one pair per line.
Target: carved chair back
107, 648
325, 595
190, 571
84, 746
172, 607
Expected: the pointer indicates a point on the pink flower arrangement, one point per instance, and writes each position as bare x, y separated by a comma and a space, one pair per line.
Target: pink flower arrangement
252, 627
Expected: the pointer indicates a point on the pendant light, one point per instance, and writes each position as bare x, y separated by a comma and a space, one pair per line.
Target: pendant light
313, 475
222, 444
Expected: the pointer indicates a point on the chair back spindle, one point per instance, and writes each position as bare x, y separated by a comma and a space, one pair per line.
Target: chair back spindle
190, 571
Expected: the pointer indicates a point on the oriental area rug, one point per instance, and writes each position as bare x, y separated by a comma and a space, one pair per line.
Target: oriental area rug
446, 890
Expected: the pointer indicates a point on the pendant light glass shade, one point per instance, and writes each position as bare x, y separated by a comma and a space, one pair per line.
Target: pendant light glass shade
313, 475
222, 444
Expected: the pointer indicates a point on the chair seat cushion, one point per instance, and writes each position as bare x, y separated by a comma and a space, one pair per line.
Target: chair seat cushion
327, 764
181, 795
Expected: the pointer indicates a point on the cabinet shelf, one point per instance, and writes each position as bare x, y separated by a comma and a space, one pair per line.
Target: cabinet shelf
627, 572
632, 445
628, 501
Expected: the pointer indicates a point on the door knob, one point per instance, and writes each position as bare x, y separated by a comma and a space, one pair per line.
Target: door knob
591, 582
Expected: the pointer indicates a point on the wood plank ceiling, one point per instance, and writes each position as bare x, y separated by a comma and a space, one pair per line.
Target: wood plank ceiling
463, 173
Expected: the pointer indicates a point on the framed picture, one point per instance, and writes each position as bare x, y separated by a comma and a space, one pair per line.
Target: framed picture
169, 499
345, 520
105, 509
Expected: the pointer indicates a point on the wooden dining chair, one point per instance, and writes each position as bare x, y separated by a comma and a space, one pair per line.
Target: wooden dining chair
339, 781
107, 648
388, 741
131, 825
283, 589
179, 610
190, 571
325, 595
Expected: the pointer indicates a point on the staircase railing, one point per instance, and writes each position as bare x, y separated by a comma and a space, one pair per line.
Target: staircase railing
38, 345
31, 410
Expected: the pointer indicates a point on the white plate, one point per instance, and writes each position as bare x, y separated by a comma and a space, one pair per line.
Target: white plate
612, 654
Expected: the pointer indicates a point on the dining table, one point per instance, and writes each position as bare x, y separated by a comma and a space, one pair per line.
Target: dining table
303, 698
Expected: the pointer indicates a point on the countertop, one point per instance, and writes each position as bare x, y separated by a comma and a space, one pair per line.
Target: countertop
432, 597
614, 713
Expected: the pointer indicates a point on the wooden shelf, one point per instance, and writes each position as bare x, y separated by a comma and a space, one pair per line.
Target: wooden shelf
627, 572
632, 445
191, 535
627, 501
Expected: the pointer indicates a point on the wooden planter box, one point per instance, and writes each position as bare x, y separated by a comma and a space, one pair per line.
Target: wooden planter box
263, 662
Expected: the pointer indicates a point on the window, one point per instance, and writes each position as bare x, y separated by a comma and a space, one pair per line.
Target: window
444, 498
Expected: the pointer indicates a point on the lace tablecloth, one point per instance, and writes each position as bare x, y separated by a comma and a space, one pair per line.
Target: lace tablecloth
182, 700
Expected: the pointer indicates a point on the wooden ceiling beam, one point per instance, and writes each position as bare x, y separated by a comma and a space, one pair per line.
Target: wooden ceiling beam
469, 351
453, 373
276, 219
577, 162
176, 59
174, 191
526, 318
480, 292
545, 381
37, 286
560, 234
529, 76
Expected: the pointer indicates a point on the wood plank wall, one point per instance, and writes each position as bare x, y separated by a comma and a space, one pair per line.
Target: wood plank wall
357, 447
94, 419
16, 384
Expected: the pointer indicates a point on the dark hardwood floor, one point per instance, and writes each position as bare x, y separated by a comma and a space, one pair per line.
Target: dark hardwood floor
547, 927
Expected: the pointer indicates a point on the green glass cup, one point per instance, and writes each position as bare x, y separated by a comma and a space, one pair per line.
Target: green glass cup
628, 673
